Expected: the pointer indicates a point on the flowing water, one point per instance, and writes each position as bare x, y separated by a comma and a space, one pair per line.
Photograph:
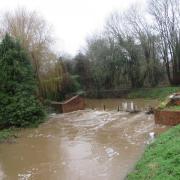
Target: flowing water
83, 145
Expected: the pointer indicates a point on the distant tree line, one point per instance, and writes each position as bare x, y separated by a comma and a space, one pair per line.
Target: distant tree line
137, 48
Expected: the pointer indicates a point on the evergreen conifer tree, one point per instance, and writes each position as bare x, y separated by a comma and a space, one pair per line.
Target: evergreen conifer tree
18, 104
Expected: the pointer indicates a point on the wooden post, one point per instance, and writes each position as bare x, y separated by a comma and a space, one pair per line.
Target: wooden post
104, 107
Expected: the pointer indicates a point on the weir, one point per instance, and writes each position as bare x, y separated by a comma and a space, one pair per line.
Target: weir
130, 107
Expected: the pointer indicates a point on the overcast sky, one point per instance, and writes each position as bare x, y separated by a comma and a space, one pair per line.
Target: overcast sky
72, 20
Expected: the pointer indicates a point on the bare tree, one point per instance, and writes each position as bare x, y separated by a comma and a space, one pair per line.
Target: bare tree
118, 28
166, 15
142, 31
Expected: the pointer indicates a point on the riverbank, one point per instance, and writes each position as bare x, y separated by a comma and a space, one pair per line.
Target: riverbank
7, 134
161, 159
159, 93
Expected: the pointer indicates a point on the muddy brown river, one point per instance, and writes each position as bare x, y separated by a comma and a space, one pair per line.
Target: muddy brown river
92, 144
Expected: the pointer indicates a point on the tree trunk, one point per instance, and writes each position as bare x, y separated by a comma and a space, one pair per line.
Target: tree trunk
176, 78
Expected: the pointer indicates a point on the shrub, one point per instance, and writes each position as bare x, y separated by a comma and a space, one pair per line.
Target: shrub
18, 105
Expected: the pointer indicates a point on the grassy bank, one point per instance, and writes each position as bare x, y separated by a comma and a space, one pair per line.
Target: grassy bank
153, 93
161, 160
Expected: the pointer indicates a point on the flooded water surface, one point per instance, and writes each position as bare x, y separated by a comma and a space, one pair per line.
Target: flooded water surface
85, 145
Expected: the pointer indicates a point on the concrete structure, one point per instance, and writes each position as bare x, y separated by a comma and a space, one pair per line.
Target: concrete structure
175, 99
129, 107
73, 104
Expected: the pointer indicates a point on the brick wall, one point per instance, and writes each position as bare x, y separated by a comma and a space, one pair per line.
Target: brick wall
165, 117
73, 104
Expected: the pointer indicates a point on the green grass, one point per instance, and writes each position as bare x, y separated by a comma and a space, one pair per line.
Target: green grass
173, 108
6, 134
161, 160
154, 93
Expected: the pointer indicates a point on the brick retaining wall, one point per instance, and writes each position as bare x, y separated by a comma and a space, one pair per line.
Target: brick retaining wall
166, 117
73, 104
